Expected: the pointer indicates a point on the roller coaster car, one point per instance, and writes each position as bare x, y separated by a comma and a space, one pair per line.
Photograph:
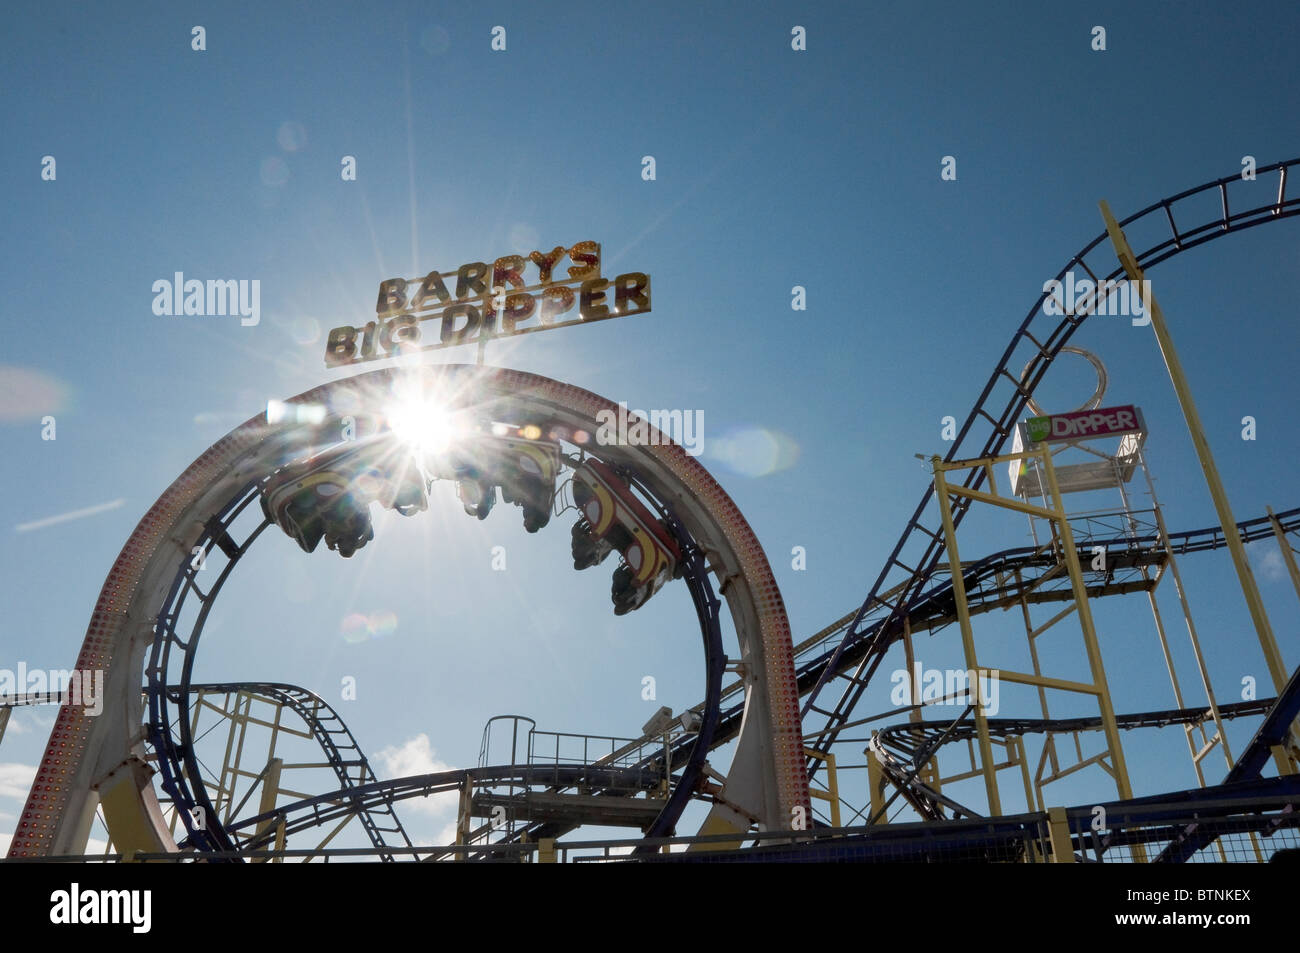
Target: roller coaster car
477, 494
613, 518
588, 549
328, 496
526, 471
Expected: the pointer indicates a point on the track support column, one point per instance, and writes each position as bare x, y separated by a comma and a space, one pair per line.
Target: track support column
1249, 588
1058, 830
987, 764
270, 792
876, 783
1284, 544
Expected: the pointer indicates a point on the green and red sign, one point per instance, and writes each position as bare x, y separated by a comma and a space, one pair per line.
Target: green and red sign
1082, 424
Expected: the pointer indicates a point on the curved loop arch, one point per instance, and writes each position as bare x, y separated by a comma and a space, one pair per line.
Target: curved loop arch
90, 760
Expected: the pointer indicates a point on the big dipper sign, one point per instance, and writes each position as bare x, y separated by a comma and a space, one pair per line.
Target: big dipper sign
1103, 422
485, 293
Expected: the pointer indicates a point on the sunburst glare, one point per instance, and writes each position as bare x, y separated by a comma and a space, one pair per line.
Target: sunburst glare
423, 422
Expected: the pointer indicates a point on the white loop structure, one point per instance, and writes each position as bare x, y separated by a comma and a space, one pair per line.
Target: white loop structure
1093, 402
92, 761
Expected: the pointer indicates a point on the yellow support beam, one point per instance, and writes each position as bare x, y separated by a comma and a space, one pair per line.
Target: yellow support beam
974, 462
876, 786
266, 802
464, 820
1023, 758
1089, 630
1249, 588
133, 821
1002, 501
1288, 554
1052, 510
1283, 760
967, 635
832, 792
1058, 829
1065, 685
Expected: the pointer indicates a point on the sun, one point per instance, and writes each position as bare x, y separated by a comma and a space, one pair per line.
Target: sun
425, 425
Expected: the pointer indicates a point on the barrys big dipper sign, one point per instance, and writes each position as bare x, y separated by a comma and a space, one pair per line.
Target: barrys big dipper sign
491, 301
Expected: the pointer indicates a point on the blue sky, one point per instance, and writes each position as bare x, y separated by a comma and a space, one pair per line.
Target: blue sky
774, 168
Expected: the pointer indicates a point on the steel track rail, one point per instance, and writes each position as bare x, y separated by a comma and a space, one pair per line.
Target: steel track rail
316, 713
811, 663
986, 429
331, 807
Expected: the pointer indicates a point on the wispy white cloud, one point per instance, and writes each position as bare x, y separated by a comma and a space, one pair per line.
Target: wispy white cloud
416, 756
1271, 566
447, 835
66, 517
16, 779
413, 756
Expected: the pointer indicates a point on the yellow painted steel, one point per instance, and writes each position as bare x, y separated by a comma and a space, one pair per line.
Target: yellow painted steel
832, 792
1058, 828
1188, 730
1049, 747
1284, 544
1098, 688
546, 850
1022, 758
1284, 763
715, 827
1071, 556
463, 820
1171, 564
1064, 684
132, 826
270, 791
1249, 588
967, 634
1003, 501
876, 783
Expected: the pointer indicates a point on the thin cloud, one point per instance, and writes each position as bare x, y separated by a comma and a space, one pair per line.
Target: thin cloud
16, 779
67, 517
411, 757
1271, 567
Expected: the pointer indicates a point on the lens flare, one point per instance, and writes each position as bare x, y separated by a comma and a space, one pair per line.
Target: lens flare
382, 623
423, 424
275, 172
27, 394
355, 627
754, 451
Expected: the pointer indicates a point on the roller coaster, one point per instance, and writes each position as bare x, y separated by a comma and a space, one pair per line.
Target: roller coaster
788, 717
